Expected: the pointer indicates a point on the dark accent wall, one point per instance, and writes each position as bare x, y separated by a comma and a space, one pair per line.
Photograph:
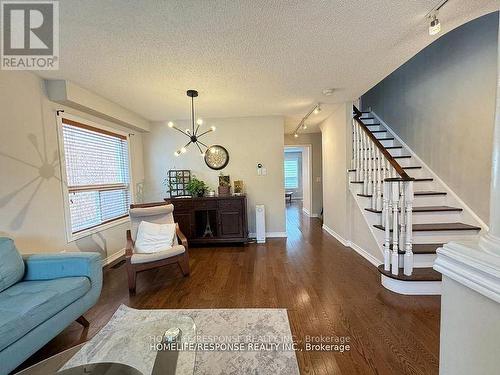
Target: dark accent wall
442, 104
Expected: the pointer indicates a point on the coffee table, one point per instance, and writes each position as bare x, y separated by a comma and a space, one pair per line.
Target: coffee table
135, 345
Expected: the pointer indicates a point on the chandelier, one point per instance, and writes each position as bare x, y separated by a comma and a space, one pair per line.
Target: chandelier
193, 134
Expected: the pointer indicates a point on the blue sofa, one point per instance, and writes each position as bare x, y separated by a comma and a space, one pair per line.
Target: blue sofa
41, 295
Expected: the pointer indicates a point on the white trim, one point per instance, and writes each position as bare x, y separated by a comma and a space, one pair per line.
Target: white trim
334, 234
434, 175
110, 259
309, 214
98, 229
269, 235
365, 254
70, 236
411, 288
471, 266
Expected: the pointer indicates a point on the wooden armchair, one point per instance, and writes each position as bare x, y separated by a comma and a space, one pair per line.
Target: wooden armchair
160, 213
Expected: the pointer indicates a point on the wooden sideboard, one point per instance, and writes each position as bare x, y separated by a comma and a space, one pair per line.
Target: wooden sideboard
209, 220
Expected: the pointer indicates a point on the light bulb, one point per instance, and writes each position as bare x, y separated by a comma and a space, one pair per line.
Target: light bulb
213, 151
188, 131
213, 128
435, 26
199, 121
304, 126
317, 110
170, 124
296, 135
177, 153
183, 150
202, 154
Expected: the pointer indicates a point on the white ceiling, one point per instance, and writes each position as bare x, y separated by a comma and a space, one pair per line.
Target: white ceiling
246, 58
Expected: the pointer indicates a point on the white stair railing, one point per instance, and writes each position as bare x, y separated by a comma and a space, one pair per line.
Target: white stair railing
391, 191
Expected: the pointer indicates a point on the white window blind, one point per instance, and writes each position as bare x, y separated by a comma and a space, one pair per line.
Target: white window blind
291, 174
97, 171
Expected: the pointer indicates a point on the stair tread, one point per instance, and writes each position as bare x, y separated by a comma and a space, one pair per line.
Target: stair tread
432, 227
427, 179
375, 124
378, 131
425, 209
413, 167
393, 147
386, 139
417, 193
418, 274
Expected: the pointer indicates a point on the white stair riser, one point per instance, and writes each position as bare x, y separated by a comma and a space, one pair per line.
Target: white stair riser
436, 217
412, 287
376, 127
387, 143
424, 218
444, 236
397, 152
420, 260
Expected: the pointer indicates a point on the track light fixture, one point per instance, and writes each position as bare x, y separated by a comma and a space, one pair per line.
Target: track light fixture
435, 25
432, 17
302, 124
193, 133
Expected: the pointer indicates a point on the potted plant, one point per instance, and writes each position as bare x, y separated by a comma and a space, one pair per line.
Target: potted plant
196, 188
224, 185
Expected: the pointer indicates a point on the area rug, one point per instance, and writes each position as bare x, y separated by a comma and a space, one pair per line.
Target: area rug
228, 341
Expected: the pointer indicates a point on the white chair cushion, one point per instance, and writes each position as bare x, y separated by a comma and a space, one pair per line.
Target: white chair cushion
146, 258
153, 237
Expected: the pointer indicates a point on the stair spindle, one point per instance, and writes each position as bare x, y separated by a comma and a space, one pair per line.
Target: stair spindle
395, 231
378, 199
408, 257
385, 223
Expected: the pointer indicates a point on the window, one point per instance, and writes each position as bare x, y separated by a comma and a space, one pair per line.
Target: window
97, 186
291, 174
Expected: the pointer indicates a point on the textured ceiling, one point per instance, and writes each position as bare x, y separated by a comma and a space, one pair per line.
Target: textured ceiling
246, 58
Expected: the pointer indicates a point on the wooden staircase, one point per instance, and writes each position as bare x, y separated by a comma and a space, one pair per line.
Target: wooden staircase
436, 217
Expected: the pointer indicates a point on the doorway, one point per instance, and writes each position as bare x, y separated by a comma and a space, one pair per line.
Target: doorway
298, 182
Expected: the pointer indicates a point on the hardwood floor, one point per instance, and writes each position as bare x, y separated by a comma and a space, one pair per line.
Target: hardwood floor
328, 289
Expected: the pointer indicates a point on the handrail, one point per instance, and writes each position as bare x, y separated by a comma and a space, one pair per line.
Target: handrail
399, 170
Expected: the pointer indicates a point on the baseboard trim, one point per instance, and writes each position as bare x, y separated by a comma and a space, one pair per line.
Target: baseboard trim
308, 213
365, 254
269, 235
113, 257
412, 288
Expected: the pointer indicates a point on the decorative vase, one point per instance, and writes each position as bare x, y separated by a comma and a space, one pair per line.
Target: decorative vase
224, 190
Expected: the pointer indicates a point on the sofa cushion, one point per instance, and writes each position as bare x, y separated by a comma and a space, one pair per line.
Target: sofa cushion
27, 304
11, 265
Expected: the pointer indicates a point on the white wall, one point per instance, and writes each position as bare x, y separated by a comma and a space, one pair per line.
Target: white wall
31, 202
470, 330
341, 214
314, 140
249, 141
442, 104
